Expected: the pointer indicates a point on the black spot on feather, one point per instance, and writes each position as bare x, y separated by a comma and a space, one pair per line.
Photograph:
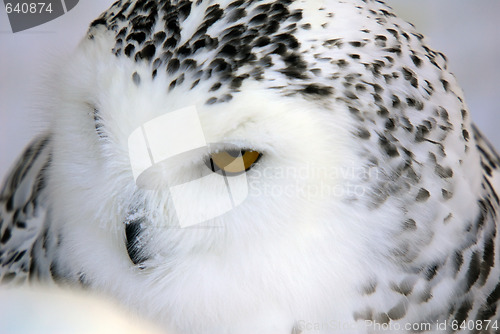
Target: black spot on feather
317, 90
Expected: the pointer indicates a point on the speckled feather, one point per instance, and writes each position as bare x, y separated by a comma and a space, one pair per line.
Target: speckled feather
23, 217
419, 245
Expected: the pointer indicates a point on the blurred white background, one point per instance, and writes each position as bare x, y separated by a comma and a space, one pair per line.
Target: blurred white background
468, 32
63, 311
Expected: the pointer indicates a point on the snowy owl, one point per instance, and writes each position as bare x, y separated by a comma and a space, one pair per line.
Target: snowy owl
274, 166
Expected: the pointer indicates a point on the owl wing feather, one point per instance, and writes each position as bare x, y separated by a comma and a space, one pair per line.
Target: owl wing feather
24, 215
489, 222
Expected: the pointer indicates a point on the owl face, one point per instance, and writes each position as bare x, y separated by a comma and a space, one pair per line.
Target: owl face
287, 204
273, 152
289, 155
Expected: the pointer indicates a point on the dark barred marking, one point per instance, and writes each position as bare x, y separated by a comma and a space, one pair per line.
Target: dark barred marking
473, 270
446, 194
431, 271
370, 288
136, 78
317, 90
365, 315
398, 311
426, 295
382, 318
54, 272
8, 277
423, 195
410, 224
463, 312
488, 310
405, 288
488, 260
6, 235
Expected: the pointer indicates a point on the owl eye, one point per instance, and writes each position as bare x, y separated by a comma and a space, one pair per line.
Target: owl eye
233, 162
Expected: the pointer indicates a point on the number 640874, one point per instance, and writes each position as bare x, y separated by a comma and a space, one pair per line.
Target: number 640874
28, 8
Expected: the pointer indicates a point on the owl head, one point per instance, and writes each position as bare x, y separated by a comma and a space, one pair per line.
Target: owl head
275, 152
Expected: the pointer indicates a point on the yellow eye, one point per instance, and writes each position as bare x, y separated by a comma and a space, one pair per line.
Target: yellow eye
233, 162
